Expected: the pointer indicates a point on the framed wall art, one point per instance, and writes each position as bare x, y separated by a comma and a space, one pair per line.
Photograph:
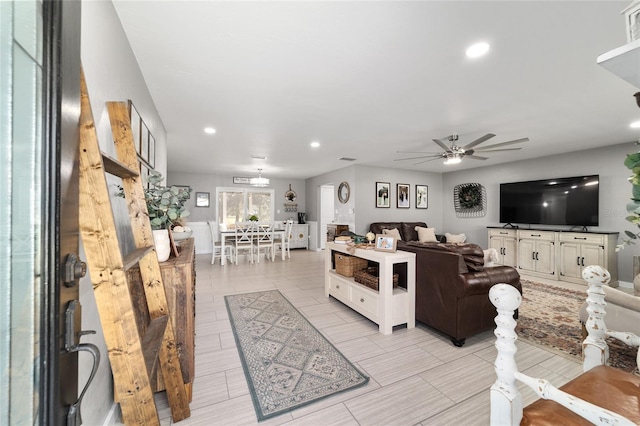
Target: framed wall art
422, 196
382, 194
402, 193
202, 199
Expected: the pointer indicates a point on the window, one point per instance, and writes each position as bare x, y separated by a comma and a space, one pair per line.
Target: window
237, 204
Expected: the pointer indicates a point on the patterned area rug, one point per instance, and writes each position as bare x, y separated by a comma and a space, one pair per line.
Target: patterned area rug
549, 316
286, 361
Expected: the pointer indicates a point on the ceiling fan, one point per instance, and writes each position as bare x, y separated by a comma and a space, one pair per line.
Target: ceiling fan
455, 153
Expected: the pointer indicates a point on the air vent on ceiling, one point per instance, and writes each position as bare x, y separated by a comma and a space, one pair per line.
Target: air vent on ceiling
346, 159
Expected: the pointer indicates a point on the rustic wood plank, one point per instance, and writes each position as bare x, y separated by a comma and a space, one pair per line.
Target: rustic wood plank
151, 343
149, 266
132, 259
116, 168
106, 268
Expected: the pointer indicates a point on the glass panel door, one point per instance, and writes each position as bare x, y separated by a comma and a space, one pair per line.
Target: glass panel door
21, 254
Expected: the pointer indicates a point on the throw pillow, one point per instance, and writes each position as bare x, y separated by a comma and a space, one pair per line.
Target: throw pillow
426, 235
455, 238
393, 233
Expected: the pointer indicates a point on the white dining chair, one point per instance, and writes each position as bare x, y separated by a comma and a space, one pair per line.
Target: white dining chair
283, 243
244, 241
264, 240
216, 246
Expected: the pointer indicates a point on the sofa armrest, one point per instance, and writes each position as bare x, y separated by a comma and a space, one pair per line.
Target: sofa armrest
480, 282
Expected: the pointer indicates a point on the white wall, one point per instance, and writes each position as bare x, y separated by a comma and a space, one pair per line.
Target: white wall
367, 212
615, 192
112, 74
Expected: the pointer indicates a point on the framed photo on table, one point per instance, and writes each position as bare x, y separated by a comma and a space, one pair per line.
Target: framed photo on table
402, 193
422, 196
385, 243
382, 194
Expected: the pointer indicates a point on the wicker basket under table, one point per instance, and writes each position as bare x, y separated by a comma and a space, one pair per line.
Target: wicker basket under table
369, 277
347, 265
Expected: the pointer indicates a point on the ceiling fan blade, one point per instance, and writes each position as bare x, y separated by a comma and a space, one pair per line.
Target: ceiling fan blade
425, 161
476, 157
498, 150
415, 158
503, 144
417, 152
442, 145
478, 141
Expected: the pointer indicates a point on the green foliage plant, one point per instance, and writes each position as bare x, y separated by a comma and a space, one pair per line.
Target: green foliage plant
165, 204
632, 162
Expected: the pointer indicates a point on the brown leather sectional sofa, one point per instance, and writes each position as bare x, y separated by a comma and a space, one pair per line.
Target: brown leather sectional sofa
452, 284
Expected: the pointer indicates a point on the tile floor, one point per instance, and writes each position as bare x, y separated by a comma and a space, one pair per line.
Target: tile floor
417, 377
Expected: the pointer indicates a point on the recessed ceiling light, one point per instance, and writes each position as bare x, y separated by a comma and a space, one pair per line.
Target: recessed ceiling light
477, 50
209, 130
315, 144
635, 125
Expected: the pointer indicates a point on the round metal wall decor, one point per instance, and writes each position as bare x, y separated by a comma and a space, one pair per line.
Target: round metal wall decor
344, 192
470, 200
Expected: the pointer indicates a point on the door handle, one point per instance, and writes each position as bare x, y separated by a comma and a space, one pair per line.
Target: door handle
582, 262
74, 417
578, 260
537, 253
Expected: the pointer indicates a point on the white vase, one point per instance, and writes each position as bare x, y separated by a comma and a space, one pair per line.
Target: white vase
161, 242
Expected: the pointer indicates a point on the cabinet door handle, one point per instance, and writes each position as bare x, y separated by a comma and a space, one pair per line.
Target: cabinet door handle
582, 262
578, 261
537, 253
361, 300
579, 238
533, 255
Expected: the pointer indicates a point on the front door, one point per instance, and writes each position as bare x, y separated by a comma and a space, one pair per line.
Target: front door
39, 110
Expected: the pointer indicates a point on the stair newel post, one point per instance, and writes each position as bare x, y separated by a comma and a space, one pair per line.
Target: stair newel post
506, 401
595, 350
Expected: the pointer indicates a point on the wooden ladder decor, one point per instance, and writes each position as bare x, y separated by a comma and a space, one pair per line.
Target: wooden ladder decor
138, 342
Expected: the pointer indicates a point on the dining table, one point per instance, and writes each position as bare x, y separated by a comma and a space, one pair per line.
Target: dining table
231, 234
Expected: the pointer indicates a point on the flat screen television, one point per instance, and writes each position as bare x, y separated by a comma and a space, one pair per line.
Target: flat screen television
569, 201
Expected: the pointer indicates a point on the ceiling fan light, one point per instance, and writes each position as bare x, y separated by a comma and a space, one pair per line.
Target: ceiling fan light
454, 159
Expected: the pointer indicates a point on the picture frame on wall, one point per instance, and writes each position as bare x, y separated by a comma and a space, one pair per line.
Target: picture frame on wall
385, 243
135, 126
383, 195
422, 196
402, 194
202, 199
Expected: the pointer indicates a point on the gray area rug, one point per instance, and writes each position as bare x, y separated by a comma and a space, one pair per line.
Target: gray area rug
286, 361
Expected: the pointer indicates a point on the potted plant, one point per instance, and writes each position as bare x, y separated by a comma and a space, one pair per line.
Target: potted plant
632, 162
165, 206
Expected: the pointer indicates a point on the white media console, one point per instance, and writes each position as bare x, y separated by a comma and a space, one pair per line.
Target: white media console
555, 255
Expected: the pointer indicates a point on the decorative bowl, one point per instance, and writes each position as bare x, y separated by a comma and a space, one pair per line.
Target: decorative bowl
177, 236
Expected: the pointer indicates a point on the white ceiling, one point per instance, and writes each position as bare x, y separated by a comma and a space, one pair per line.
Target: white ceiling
368, 79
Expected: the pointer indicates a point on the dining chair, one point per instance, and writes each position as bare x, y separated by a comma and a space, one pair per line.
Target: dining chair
283, 243
216, 246
264, 240
244, 233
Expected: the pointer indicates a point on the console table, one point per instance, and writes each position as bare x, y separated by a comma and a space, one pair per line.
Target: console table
386, 307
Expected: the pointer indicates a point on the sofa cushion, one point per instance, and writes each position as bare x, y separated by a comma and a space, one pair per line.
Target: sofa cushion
409, 232
426, 235
377, 227
455, 238
395, 233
